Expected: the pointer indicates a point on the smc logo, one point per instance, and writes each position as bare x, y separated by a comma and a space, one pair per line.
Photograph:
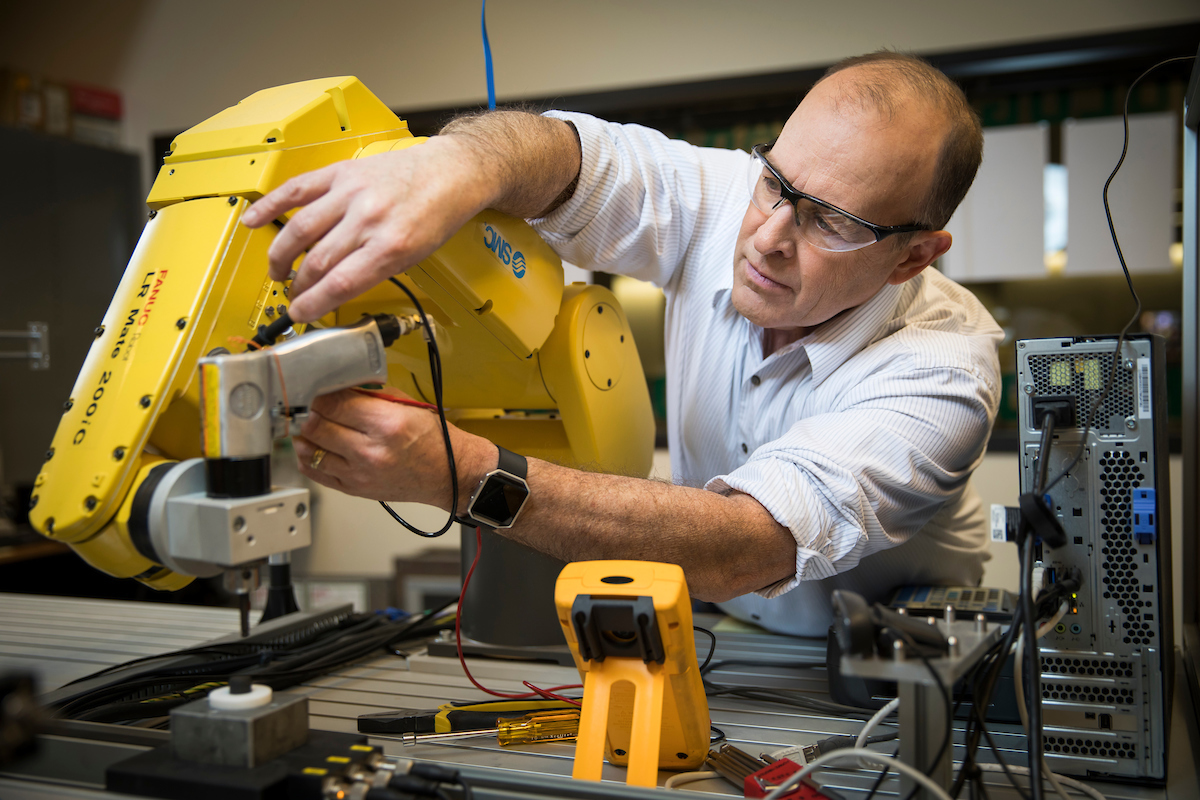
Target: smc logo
503, 250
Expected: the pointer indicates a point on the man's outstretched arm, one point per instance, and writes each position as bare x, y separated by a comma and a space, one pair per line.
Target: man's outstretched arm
728, 545
365, 220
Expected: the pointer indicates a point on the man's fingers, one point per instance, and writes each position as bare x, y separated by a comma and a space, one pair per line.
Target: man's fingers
357, 272
304, 231
328, 468
299, 191
342, 240
352, 411
331, 433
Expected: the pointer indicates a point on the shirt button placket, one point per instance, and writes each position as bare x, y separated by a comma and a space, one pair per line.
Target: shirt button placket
754, 380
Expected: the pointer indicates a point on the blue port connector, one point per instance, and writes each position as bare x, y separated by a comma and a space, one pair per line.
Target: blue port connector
1145, 526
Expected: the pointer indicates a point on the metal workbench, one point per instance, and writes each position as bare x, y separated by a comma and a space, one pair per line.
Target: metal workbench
62, 639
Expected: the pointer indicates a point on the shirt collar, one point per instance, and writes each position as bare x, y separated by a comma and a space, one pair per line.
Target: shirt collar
832, 343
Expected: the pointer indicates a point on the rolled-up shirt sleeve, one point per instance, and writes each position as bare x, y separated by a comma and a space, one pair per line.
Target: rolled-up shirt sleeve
639, 201
870, 473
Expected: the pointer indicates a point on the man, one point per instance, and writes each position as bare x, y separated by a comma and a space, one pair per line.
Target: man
830, 395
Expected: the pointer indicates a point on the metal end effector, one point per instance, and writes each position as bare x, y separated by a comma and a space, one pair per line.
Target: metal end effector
220, 513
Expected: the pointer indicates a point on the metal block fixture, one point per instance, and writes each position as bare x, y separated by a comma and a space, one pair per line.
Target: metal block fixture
1107, 666
243, 726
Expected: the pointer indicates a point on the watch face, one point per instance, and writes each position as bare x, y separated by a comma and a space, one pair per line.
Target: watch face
499, 500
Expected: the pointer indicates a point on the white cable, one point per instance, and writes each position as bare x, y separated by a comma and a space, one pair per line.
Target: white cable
1019, 689
1055, 780
1078, 786
1049, 624
1018, 685
675, 781
879, 717
858, 754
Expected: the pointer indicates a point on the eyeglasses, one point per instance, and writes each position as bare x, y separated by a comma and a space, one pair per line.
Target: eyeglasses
820, 224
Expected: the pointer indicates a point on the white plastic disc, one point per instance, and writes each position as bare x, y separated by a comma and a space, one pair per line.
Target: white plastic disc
222, 700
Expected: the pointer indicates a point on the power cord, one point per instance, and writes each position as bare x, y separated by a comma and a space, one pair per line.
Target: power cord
1128, 278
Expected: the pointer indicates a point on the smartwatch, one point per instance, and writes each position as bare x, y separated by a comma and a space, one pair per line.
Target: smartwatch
501, 494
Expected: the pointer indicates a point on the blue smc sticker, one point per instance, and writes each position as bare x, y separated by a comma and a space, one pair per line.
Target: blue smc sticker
503, 250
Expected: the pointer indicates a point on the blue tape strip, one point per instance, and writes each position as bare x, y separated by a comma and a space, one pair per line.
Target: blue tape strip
487, 59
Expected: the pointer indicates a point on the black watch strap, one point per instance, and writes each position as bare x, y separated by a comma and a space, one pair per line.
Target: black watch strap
513, 463
492, 504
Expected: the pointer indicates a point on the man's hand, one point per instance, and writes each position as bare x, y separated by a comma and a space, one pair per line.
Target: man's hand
365, 220
386, 451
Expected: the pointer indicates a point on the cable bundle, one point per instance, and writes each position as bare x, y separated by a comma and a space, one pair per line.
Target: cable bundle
278, 663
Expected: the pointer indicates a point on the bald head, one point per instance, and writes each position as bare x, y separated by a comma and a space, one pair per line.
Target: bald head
895, 86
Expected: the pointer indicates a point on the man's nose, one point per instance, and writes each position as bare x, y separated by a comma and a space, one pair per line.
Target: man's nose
777, 233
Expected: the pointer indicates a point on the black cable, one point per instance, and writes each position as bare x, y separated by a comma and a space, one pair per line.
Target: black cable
993, 677
1029, 620
267, 334
847, 741
232, 649
779, 696
173, 654
712, 647
435, 376
720, 735
882, 774
973, 682
980, 785
742, 662
1012, 778
152, 694
1033, 666
1112, 373
983, 687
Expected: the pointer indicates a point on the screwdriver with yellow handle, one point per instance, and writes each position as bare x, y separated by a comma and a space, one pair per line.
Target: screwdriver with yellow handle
541, 726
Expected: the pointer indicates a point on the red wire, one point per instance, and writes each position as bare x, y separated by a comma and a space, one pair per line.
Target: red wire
548, 693
404, 401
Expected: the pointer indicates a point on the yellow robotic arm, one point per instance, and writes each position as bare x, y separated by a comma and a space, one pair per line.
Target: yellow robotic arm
539, 368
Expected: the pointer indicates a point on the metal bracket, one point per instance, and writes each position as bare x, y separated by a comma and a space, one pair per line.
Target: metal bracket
922, 707
38, 352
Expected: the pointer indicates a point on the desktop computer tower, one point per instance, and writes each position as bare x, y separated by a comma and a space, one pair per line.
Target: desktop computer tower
1107, 666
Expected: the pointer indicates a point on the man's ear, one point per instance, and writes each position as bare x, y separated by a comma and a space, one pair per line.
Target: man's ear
919, 253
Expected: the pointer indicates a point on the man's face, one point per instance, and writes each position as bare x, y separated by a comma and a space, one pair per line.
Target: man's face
856, 159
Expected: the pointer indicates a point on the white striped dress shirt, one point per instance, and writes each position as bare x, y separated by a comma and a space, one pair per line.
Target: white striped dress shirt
859, 438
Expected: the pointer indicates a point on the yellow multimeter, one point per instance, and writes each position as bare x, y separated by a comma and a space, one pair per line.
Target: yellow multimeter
629, 627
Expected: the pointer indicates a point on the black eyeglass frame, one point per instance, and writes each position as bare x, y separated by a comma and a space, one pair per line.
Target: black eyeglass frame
792, 194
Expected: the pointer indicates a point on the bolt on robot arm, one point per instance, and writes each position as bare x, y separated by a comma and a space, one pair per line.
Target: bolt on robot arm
159, 469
